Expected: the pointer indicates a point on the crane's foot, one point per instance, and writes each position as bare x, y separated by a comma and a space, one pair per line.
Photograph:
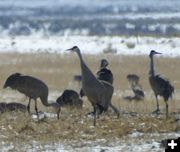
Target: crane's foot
93, 113
90, 113
157, 111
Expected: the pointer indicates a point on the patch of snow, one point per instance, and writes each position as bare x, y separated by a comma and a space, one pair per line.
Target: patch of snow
91, 44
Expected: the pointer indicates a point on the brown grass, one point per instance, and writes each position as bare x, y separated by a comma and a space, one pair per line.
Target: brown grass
57, 72
18, 126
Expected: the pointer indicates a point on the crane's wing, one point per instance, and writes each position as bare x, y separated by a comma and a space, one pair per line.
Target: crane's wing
162, 86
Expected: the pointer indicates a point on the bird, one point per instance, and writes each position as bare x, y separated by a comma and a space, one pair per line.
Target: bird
70, 98
160, 86
12, 106
136, 88
32, 87
98, 92
103, 74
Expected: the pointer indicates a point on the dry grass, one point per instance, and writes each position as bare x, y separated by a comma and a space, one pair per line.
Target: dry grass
18, 126
57, 72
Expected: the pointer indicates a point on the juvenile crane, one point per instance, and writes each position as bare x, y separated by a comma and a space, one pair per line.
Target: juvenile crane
31, 87
159, 85
136, 88
70, 98
104, 73
98, 92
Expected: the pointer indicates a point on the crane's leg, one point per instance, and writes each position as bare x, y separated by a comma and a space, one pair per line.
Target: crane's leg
58, 112
91, 113
28, 106
115, 110
100, 109
166, 109
157, 111
94, 106
36, 109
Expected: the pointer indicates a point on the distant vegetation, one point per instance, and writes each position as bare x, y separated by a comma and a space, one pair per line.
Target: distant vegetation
21, 25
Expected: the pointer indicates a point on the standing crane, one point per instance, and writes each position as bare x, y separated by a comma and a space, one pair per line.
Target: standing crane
98, 92
102, 74
159, 85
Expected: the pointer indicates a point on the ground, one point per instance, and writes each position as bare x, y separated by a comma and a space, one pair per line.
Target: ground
57, 71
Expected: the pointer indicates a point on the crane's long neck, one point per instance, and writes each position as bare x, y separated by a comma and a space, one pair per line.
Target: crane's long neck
87, 75
151, 72
45, 102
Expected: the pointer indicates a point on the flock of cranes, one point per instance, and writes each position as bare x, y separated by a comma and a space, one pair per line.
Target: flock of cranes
97, 88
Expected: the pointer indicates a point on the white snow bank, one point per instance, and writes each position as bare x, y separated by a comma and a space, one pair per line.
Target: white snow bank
92, 44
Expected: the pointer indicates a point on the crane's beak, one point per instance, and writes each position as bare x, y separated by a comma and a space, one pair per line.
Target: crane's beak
71, 49
158, 53
152, 53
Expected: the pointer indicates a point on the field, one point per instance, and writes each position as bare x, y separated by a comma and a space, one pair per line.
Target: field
75, 130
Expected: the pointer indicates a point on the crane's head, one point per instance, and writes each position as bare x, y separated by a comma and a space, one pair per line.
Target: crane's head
152, 53
11, 81
104, 63
74, 49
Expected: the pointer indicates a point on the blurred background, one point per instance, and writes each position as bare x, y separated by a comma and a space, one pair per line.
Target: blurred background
121, 26
90, 17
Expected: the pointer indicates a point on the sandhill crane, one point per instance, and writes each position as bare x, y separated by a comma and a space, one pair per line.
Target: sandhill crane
136, 88
31, 87
70, 98
159, 85
98, 92
12, 106
102, 74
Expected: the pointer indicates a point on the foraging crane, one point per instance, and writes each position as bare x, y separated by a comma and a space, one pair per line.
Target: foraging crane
32, 88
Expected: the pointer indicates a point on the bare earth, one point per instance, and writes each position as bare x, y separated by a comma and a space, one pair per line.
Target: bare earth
74, 130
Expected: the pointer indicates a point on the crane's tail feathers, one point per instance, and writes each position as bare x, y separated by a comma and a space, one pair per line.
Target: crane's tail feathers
169, 91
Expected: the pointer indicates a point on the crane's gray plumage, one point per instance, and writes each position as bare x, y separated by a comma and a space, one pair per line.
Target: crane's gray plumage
98, 92
159, 85
31, 87
70, 98
103, 74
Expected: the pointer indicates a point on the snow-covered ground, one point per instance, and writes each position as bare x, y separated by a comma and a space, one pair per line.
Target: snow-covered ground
92, 44
137, 142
